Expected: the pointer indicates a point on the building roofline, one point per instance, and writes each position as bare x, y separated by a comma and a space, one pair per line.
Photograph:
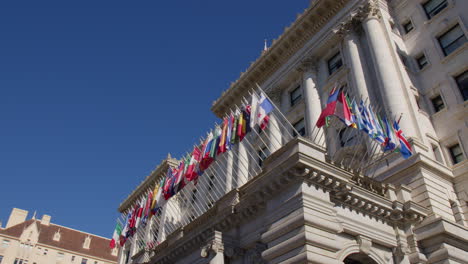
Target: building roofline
289, 42
154, 177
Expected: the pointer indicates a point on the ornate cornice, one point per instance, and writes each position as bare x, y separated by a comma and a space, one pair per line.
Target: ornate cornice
294, 37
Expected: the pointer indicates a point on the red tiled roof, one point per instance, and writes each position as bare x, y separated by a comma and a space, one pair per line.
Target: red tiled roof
70, 239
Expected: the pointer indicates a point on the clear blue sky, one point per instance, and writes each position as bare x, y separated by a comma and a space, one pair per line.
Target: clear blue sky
94, 94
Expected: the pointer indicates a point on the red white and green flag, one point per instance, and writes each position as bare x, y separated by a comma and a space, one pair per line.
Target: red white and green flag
116, 235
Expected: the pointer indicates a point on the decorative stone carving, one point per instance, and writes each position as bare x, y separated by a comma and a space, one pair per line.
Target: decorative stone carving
369, 10
254, 255
364, 243
308, 65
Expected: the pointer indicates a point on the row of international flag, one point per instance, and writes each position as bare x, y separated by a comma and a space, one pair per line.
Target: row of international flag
233, 130
360, 116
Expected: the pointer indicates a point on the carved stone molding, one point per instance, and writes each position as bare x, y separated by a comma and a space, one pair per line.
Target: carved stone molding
364, 243
309, 64
369, 10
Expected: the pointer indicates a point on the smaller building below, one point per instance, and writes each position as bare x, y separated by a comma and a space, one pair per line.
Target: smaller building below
37, 241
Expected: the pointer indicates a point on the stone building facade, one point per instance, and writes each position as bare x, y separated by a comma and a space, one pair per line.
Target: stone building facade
37, 241
408, 56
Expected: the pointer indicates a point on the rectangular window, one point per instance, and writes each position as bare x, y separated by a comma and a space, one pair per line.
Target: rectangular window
452, 39
84, 261
456, 153
422, 61
60, 256
1, 258
433, 7
437, 103
462, 83
300, 127
5, 243
295, 95
334, 63
408, 26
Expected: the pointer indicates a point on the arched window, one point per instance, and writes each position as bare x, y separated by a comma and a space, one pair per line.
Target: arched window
359, 258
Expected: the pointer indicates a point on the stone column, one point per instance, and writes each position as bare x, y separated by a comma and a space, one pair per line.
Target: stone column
274, 134
353, 54
242, 164
388, 77
313, 107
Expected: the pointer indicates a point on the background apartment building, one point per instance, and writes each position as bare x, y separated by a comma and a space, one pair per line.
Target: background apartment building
38, 241
321, 197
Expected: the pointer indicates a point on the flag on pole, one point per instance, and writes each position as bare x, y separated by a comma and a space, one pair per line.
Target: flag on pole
329, 108
378, 131
179, 183
229, 143
222, 138
167, 191
404, 146
116, 235
191, 173
357, 116
139, 215
206, 159
343, 111
147, 210
159, 200
254, 111
214, 146
390, 138
123, 235
264, 109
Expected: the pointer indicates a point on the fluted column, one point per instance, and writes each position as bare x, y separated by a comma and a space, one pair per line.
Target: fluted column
388, 77
313, 107
353, 54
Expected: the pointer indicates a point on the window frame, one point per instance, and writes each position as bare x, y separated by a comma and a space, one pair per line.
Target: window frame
437, 107
418, 58
437, 10
464, 92
304, 128
444, 33
453, 156
294, 101
405, 29
335, 67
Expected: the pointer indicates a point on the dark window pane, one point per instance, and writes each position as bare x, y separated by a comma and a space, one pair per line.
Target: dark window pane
408, 26
334, 63
422, 61
438, 103
462, 82
456, 154
300, 127
452, 39
295, 95
433, 7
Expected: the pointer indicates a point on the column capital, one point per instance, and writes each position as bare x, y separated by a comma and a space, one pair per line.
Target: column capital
309, 64
369, 10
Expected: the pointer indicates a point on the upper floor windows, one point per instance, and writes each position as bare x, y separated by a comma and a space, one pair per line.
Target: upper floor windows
295, 95
300, 127
437, 103
452, 39
408, 26
433, 7
456, 153
421, 60
84, 261
5, 243
462, 83
334, 63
